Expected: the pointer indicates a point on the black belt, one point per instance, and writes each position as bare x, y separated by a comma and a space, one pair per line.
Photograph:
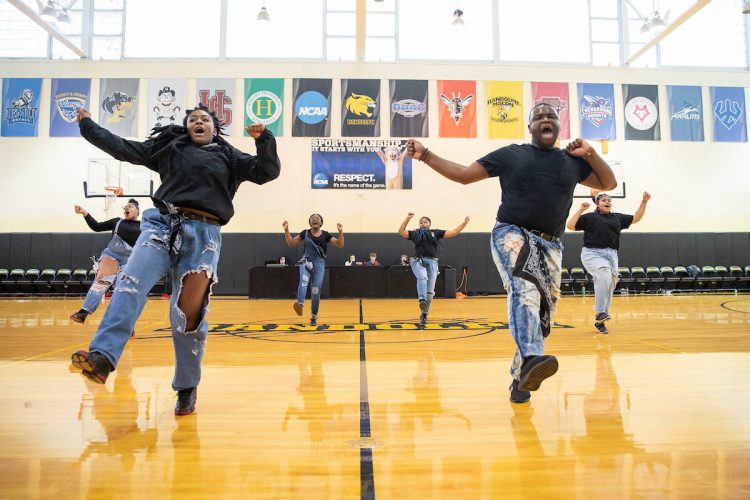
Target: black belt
546, 236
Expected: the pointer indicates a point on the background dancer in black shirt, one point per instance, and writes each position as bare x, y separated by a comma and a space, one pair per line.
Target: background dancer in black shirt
200, 174
125, 232
537, 182
601, 241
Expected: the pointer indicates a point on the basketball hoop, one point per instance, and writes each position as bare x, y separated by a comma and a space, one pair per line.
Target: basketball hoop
116, 190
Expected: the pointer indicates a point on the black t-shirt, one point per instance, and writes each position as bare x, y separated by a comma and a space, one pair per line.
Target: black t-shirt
603, 230
426, 242
537, 185
321, 240
129, 230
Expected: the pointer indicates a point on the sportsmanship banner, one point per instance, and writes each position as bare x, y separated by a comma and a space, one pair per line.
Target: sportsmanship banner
641, 112
505, 118
67, 96
118, 106
312, 107
458, 108
360, 108
167, 102
556, 95
596, 104
264, 99
360, 164
728, 105
21, 107
685, 113
217, 94
409, 108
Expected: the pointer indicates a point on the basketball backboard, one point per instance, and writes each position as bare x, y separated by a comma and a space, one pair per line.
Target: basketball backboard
619, 192
135, 180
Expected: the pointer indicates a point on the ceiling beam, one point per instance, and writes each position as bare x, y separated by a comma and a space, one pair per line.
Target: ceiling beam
689, 12
56, 34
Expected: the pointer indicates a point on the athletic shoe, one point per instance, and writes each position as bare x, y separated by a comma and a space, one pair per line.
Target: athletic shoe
602, 317
601, 328
534, 370
423, 318
422, 304
297, 308
518, 396
313, 321
186, 399
80, 316
94, 366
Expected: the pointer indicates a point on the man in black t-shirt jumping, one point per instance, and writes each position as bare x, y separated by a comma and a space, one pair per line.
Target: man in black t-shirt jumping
537, 182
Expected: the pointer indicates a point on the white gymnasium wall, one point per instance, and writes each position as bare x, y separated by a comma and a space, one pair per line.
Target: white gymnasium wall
695, 187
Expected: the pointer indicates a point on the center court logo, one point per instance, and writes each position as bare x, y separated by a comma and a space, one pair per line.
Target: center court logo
320, 180
311, 107
263, 107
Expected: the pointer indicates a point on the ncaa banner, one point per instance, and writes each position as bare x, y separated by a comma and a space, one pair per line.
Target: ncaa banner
67, 96
596, 106
312, 107
504, 102
118, 106
457, 108
685, 113
21, 97
556, 95
728, 109
167, 102
641, 112
217, 94
264, 99
408, 108
360, 164
360, 108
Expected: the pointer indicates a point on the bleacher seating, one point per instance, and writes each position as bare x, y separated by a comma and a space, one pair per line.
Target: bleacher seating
26, 284
580, 279
655, 279
640, 280
59, 284
671, 281
626, 279
566, 282
75, 284
42, 283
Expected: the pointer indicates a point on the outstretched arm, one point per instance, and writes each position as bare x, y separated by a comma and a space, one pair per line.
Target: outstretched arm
402, 230
577, 215
338, 241
638, 215
138, 153
448, 169
454, 232
292, 242
602, 177
264, 167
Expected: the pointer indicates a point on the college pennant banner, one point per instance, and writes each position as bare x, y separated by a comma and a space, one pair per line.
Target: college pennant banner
167, 102
118, 106
409, 108
360, 164
504, 102
728, 110
457, 108
264, 98
360, 108
312, 107
217, 94
556, 95
685, 113
67, 96
641, 112
596, 105
21, 97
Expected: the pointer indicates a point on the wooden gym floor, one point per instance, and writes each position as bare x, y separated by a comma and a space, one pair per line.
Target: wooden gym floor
369, 406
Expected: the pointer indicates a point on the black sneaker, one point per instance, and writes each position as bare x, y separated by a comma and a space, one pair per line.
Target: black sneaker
534, 370
186, 399
518, 396
94, 366
601, 327
422, 304
80, 316
423, 318
602, 317
313, 321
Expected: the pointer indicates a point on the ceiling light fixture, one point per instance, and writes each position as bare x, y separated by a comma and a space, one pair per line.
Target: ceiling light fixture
263, 14
746, 6
458, 18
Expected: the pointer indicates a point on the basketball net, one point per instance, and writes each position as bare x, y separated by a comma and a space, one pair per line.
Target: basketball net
110, 200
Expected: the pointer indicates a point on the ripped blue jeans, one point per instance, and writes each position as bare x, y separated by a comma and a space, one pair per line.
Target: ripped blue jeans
98, 288
523, 296
313, 277
150, 260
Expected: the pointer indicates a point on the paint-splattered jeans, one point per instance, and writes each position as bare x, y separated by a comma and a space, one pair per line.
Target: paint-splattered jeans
150, 260
426, 271
311, 277
523, 296
601, 263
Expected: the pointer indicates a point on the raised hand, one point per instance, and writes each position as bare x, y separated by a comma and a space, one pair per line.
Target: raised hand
339, 227
466, 220
646, 196
255, 130
579, 148
414, 148
584, 206
285, 225
80, 210
82, 113
410, 215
